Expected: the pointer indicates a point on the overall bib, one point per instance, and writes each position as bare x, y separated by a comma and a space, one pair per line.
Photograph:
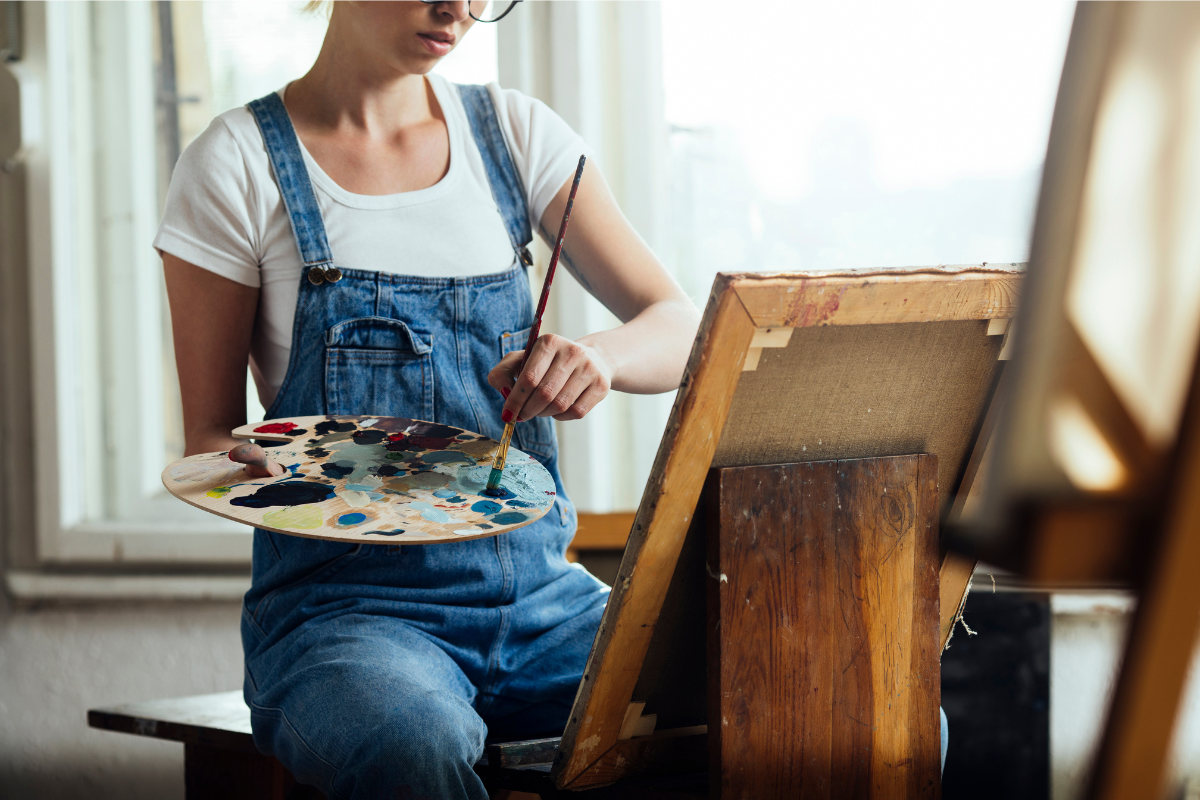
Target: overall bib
377, 670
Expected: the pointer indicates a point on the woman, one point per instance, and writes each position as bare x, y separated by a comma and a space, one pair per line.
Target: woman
370, 262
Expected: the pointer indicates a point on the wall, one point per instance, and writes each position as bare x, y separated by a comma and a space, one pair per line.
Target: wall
56, 662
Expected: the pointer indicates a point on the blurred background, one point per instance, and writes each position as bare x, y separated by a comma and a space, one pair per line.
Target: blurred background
773, 136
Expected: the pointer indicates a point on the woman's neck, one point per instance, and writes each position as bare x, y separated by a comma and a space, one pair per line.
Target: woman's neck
351, 89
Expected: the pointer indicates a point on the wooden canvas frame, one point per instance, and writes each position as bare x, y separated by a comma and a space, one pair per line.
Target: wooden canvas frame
744, 314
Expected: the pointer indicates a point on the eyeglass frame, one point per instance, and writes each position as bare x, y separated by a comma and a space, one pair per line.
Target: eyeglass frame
511, 6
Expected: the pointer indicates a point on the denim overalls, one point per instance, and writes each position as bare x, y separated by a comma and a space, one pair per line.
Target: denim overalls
376, 670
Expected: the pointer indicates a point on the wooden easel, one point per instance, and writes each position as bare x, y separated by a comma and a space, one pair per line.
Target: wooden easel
1136, 523
869, 389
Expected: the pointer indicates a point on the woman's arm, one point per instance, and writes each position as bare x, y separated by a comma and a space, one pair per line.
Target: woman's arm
212, 319
647, 354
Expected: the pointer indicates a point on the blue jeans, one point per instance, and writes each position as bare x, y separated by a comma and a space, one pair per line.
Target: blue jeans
376, 670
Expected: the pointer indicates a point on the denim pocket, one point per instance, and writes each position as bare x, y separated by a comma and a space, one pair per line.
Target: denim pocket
534, 436
380, 366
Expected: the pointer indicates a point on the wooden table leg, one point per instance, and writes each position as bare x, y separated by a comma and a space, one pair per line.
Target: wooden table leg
823, 630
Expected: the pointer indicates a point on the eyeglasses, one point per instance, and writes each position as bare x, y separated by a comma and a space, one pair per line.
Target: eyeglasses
493, 18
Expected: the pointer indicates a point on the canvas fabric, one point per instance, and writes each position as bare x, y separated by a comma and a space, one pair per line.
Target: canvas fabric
378, 670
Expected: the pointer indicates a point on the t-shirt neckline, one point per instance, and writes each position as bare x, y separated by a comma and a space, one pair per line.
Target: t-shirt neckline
322, 181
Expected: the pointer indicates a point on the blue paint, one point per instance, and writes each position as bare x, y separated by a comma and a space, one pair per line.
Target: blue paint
500, 493
444, 493
509, 518
352, 519
517, 504
446, 456
430, 513
486, 507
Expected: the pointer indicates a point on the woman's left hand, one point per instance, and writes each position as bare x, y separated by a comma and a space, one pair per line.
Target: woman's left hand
563, 379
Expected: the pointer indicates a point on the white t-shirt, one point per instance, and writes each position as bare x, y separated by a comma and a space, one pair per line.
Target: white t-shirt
224, 212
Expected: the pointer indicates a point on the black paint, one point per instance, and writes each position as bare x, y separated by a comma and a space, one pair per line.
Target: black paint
334, 471
433, 430
368, 437
286, 493
333, 426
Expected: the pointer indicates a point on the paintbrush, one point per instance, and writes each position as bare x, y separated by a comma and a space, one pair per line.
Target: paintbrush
497, 473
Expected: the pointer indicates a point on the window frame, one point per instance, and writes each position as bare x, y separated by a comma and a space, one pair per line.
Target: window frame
96, 321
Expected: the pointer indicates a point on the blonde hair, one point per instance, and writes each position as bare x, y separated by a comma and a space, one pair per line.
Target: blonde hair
322, 7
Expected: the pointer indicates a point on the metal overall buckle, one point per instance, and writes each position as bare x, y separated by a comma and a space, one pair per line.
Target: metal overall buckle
321, 273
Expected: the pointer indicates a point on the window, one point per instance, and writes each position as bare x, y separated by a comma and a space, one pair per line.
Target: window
110, 93
850, 135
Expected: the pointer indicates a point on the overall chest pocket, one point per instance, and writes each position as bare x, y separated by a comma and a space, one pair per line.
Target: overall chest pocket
534, 436
381, 366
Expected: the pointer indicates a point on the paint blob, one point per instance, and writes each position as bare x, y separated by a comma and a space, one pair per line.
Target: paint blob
300, 517
287, 493
218, 491
289, 428
355, 518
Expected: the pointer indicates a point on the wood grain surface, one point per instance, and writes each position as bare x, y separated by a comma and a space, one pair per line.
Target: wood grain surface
882, 297
823, 634
368, 479
667, 507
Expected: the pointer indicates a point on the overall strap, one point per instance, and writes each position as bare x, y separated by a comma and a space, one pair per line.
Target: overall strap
283, 148
502, 174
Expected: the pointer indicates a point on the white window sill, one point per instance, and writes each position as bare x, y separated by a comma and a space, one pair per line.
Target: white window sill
29, 585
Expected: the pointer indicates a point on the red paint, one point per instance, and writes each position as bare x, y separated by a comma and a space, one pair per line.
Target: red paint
808, 311
275, 427
396, 437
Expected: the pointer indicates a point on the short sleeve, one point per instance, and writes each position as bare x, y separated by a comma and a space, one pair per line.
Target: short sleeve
544, 147
208, 219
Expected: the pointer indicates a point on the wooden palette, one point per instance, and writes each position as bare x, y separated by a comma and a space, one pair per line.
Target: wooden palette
368, 479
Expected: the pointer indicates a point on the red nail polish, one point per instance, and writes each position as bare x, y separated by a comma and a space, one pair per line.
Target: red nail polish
506, 415
504, 390
520, 420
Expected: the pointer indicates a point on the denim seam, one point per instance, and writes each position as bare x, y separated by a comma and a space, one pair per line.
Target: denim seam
319, 575
273, 711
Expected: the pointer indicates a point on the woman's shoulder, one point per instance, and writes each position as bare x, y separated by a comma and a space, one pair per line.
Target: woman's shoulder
228, 141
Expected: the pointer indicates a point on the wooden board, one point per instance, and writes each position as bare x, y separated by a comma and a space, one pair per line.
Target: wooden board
823, 635
716, 385
368, 479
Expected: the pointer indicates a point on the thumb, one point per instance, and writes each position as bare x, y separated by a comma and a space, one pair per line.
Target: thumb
256, 461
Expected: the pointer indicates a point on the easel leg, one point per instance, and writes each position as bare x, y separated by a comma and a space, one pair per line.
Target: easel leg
823, 630
1134, 754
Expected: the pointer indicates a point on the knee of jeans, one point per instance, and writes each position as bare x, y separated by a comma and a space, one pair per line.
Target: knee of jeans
437, 738
430, 759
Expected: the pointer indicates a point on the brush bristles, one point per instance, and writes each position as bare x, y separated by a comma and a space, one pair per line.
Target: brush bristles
494, 479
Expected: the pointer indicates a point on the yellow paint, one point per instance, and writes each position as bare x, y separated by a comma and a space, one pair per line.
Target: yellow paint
218, 491
302, 517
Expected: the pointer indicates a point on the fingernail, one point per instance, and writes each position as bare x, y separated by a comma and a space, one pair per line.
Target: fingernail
504, 390
507, 416
520, 420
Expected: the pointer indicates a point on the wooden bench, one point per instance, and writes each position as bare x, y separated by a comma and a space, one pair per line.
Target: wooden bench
221, 761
